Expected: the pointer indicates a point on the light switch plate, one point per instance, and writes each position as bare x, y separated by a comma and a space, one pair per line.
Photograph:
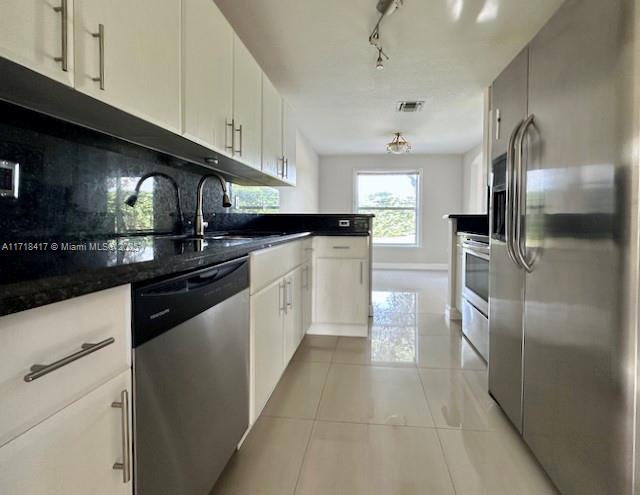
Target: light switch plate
9, 179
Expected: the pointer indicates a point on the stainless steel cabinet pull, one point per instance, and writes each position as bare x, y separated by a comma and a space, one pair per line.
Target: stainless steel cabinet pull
64, 16
100, 36
341, 247
281, 296
239, 150
289, 295
285, 172
361, 272
231, 125
510, 204
498, 124
125, 465
520, 199
39, 370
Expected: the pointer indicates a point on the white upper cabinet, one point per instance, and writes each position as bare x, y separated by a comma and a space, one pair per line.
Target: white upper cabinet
247, 106
207, 74
272, 151
34, 33
289, 130
128, 55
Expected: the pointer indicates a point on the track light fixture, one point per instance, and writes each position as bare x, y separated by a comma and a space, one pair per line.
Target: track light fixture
386, 8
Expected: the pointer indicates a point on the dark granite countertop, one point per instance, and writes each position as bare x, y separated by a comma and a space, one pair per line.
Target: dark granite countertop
42, 273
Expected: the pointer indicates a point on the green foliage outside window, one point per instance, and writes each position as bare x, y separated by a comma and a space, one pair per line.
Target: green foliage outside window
251, 199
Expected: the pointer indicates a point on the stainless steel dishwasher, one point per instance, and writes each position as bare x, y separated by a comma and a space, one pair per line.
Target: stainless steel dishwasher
191, 378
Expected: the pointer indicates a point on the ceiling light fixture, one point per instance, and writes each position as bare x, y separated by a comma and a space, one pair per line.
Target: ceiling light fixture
381, 58
386, 8
398, 145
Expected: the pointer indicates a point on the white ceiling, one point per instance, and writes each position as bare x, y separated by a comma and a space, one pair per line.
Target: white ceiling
442, 51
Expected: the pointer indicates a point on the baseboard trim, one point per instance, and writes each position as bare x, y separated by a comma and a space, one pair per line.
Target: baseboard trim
411, 266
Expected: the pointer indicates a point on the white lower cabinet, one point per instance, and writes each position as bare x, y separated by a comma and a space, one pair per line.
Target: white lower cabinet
307, 296
342, 291
74, 451
268, 336
293, 331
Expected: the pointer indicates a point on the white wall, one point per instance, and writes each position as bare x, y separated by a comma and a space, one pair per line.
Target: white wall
304, 197
441, 176
474, 183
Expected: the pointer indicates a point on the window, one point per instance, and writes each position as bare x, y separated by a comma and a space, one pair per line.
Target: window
393, 198
255, 199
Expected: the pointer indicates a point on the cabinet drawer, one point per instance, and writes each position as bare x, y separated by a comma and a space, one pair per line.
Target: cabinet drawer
342, 247
46, 335
270, 264
73, 451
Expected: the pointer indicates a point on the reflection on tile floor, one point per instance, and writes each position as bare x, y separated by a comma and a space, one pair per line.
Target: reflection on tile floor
404, 411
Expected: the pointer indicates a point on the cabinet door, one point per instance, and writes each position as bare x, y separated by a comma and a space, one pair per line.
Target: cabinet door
341, 291
289, 131
207, 72
32, 34
141, 56
247, 105
307, 296
272, 152
267, 314
72, 452
509, 102
293, 313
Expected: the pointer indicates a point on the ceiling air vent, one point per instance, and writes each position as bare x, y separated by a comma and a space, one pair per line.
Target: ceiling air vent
410, 106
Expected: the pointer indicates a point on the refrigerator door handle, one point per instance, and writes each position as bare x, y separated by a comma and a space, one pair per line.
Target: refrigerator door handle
510, 203
520, 196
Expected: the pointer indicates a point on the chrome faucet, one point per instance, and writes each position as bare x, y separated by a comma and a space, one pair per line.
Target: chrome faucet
200, 224
133, 199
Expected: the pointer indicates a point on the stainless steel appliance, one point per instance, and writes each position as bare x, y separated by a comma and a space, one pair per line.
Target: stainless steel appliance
475, 291
564, 245
191, 378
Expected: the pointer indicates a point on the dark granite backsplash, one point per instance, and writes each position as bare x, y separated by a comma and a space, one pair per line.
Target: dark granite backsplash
73, 182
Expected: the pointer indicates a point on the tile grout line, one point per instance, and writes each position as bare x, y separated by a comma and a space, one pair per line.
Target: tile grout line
313, 427
446, 463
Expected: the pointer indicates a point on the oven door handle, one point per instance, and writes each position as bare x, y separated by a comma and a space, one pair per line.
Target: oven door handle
477, 253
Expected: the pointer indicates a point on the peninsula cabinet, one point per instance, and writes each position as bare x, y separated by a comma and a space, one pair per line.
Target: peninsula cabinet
246, 139
74, 451
207, 75
39, 35
342, 286
127, 54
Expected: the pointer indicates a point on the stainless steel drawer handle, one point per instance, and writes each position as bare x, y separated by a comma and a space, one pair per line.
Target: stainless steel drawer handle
125, 465
63, 10
341, 247
39, 370
231, 125
239, 150
289, 294
100, 36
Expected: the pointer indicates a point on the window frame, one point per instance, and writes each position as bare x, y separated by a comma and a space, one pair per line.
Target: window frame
418, 207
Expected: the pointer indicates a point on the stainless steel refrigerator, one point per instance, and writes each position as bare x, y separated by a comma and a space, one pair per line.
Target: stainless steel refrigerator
564, 245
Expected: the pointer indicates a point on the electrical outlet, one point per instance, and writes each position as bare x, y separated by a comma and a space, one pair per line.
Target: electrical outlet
344, 223
9, 179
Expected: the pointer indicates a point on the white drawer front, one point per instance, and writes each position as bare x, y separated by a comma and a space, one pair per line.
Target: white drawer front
270, 264
342, 247
50, 333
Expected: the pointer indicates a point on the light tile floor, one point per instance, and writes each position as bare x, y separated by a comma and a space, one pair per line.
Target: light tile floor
405, 411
